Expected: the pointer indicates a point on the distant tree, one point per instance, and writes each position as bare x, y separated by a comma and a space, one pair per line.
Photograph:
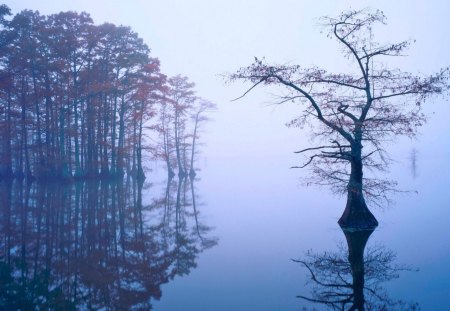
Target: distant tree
164, 148
181, 115
199, 117
181, 96
349, 111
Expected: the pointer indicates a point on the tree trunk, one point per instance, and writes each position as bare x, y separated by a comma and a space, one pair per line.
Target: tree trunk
40, 167
64, 168
140, 170
90, 173
181, 172
113, 134
105, 164
6, 156
120, 167
78, 171
166, 147
24, 139
356, 214
51, 157
194, 136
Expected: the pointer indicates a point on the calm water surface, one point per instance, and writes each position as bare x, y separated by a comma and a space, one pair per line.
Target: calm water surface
226, 241
264, 218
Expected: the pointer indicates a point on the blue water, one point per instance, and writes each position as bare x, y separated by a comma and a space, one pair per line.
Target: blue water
121, 245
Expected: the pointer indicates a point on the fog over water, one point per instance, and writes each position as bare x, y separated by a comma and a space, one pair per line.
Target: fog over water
258, 208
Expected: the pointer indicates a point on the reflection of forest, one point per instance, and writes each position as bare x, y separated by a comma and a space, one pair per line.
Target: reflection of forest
94, 245
351, 279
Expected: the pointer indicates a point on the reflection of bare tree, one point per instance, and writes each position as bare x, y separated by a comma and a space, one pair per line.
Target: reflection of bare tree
180, 224
91, 245
353, 280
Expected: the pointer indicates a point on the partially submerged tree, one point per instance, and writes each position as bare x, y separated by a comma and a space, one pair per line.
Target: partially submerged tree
198, 118
182, 96
349, 111
181, 116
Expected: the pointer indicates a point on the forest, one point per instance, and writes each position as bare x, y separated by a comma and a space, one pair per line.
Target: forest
83, 101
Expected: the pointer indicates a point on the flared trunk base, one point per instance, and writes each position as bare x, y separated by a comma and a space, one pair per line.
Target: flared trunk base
357, 219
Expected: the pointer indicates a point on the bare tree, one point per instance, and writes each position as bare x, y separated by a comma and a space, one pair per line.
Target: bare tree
198, 117
349, 111
182, 96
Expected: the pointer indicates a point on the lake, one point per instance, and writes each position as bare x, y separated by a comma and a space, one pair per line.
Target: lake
224, 241
267, 218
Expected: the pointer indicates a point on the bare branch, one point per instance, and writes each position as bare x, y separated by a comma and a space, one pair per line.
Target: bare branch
248, 91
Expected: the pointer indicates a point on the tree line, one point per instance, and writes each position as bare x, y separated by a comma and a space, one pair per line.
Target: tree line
77, 101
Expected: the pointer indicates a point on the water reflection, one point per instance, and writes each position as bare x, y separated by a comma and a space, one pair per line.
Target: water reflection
413, 159
95, 245
351, 278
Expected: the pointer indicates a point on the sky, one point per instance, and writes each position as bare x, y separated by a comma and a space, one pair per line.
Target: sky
204, 39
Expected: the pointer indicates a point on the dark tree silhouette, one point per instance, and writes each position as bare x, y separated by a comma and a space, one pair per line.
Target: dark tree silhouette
352, 278
349, 111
